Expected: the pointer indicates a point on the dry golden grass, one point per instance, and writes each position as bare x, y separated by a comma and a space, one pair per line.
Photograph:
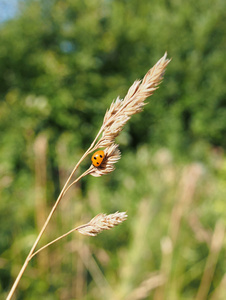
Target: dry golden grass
114, 120
121, 110
102, 222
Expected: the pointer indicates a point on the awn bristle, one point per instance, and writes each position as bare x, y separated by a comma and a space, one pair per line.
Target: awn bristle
102, 222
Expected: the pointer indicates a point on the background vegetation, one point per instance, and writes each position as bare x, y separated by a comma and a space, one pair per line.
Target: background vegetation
62, 63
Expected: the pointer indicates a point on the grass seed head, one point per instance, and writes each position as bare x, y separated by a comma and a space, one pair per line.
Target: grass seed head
112, 155
102, 222
121, 110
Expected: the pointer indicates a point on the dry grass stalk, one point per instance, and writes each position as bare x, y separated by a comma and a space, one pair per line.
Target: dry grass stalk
105, 289
220, 290
211, 262
202, 234
186, 193
102, 222
99, 223
143, 290
114, 120
166, 265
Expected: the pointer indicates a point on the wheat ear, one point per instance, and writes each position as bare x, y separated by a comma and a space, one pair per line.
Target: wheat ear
114, 120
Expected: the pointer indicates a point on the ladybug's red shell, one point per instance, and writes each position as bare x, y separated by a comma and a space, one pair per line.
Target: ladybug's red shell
97, 158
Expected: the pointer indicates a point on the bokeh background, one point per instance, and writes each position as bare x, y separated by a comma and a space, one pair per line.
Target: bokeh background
61, 65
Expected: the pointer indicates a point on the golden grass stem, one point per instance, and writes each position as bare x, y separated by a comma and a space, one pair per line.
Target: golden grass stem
219, 292
215, 248
64, 189
114, 121
106, 291
76, 180
40, 195
52, 242
96, 225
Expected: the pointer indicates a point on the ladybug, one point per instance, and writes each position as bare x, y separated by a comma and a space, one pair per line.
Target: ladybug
97, 158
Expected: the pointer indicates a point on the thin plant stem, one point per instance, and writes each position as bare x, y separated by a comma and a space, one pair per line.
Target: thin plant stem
62, 193
57, 239
76, 180
54, 241
215, 248
96, 225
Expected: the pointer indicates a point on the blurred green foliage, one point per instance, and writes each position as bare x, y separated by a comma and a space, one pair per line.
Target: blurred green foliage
62, 63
